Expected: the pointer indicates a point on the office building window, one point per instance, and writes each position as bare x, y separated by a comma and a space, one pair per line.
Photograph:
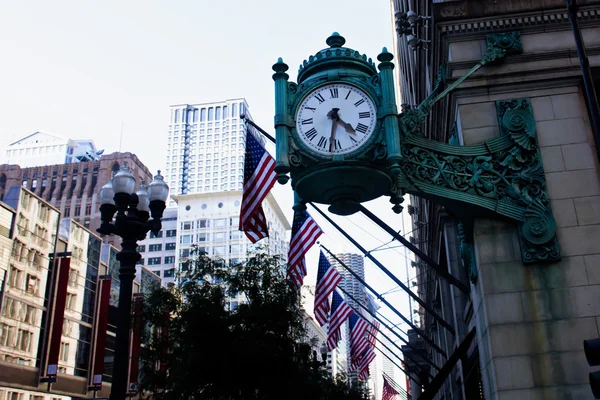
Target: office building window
203, 237
171, 232
155, 247
154, 261
169, 273
170, 246
203, 223
159, 235
141, 248
210, 114
170, 260
186, 225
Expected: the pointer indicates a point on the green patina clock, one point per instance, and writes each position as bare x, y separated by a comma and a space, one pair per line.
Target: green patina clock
331, 132
342, 142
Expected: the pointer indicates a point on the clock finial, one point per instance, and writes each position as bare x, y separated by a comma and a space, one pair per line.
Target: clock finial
335, 40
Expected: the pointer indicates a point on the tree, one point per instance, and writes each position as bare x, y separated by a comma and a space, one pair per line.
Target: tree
197, 348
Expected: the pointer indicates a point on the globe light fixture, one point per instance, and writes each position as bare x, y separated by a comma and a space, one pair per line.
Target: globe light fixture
136, 214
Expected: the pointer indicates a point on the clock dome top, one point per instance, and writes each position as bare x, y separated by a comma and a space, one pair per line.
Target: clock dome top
336, 57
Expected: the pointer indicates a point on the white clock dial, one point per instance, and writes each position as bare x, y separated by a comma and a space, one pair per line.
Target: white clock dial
336, 119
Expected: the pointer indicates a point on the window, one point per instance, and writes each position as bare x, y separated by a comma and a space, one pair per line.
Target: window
218, 113
203, 115
184, 253
186, 225
186, 239
152, 235
155, 247
33, 285
141, 248
154, 261
67, 212
24, 338
203, 223
235, 235
88, 210
169, 273
170, 246
170, 260
71, 301
220, 223
219, 236
77, 211
140, 262
210, 113
219, 250
73, 277
203, 237
64, 352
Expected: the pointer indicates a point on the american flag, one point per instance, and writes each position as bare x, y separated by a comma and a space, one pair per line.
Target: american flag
388, 393
259, 178
372, 332
327, 279
365, 360
340, 311
305, 233
358, 341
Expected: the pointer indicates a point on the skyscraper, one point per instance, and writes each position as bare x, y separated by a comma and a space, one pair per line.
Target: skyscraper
204, 169
205, 147
356, 290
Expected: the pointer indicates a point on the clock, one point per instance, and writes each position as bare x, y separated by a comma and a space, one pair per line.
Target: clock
336, 119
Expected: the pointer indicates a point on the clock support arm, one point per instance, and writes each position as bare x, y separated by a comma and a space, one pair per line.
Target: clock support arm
283, 121
388, 113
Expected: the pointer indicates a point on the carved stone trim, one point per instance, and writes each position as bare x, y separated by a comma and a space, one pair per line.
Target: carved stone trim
517, 21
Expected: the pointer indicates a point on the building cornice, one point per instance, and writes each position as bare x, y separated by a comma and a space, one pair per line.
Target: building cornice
461, 9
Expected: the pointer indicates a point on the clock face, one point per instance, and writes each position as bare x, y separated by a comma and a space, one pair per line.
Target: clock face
336, 119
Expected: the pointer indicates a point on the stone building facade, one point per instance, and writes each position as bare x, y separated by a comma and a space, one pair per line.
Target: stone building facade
73, 188
530, 318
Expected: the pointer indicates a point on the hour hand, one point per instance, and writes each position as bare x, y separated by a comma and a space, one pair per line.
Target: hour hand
346, 126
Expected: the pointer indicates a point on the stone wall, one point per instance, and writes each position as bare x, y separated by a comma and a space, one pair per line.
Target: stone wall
532, 319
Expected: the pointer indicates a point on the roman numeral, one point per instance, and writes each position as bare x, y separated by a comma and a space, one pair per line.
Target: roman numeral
358, 103
319, 97
354, 140
362, 128
366, 114
322, 142
337, 145
308, 121
311, 134
333, 92
348, 95
310, 108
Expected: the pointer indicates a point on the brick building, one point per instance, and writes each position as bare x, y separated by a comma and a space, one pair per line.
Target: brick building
73, 188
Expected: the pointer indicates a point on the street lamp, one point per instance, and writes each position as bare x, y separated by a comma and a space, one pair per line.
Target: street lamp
131, 223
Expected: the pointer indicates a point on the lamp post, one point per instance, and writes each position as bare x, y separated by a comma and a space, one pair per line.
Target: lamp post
131, 223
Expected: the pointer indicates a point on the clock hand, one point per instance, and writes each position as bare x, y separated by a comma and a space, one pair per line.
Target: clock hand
333, 129
346, 126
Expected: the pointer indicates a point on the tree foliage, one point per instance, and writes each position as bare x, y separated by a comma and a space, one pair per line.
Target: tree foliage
197, 348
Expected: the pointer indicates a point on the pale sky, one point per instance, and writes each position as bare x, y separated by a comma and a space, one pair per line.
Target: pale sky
81, 69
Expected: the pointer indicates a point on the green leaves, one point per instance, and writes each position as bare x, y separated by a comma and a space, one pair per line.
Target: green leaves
199, 346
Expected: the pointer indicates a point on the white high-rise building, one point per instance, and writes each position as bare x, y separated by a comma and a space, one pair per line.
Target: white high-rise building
210, 221
205, 148
205, 172
41, 148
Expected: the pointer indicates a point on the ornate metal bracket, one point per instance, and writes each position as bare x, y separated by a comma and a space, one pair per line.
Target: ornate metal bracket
498, 46
503, 176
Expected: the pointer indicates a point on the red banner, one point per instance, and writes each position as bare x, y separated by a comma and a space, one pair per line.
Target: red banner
102, 324
136, 340
59, 294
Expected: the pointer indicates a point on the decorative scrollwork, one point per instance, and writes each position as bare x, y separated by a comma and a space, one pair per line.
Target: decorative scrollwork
507, 170
502, 44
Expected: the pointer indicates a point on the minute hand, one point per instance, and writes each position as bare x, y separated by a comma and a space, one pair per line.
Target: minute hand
346, 126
